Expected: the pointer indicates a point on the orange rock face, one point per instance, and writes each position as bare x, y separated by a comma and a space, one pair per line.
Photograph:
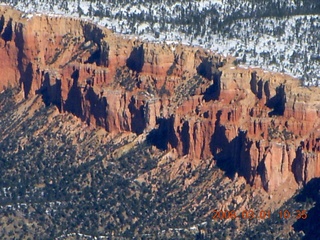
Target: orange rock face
261, 125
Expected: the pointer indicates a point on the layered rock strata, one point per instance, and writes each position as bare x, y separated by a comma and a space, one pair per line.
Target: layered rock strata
263, 126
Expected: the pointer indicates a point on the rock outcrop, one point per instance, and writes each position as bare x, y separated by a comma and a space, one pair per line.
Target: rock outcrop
263, 126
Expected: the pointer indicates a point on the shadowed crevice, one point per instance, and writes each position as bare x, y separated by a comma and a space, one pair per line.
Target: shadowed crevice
213, 91
277, 102
136, 60
209, 70
138, 123
258, 87
164, 135
26, 80
98, 107
1, 23
8, 32
94, 58
227, 154
51, 94
297, 166
74, 103
206, 69
185, 138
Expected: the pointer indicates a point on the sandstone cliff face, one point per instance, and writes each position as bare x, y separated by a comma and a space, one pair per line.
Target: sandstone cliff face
262, 125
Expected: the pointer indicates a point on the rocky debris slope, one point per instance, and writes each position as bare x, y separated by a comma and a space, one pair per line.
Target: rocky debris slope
256, 124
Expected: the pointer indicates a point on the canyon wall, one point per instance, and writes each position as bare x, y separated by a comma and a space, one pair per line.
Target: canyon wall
263, 126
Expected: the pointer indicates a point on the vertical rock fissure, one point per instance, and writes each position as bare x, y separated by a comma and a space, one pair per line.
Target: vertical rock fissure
74, 101
25, 70
8, 32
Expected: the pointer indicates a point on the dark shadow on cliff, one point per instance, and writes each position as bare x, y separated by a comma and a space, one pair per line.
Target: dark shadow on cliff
209, 70
73, 102
93, 33
163, 135
138, 123
98, 107
136, 60
95, 57
26, 71
1, 23
226, 154
26, 80
277, 102
51, 94
185, 138
311, 225
7, 33
25, 75
257, 86
213, 91
297, 165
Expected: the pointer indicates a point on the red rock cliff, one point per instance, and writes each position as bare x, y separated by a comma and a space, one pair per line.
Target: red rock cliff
262, 125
